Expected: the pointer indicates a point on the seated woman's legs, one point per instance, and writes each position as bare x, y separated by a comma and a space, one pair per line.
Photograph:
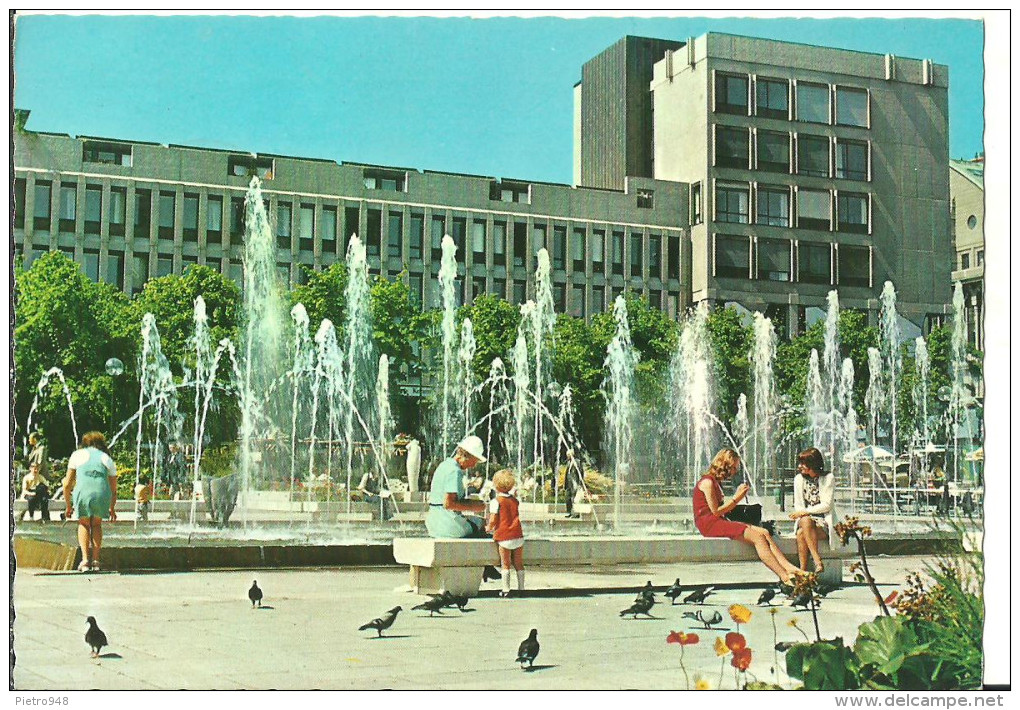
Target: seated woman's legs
809, 532
768, 552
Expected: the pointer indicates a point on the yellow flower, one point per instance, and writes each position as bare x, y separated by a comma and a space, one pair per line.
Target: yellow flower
701, 683
740, 614
792, 622
773, 610
720, 646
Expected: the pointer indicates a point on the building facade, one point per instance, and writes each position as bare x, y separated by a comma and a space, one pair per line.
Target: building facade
129, 211
967, 187
809, 169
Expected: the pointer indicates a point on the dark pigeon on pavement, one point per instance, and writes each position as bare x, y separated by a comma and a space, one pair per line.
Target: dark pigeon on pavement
767, 595
674, 591
647, 592
255, 594
698, 596
528, 650
641, 605
433, 605
383, 622
804, 600
95, 637
491, 573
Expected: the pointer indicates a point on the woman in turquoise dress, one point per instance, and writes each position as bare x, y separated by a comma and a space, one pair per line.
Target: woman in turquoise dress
90, 490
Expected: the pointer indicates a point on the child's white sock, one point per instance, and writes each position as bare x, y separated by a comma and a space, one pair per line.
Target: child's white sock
520, 580
506, 579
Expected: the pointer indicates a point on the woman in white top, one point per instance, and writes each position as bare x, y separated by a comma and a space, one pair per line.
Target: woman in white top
91, 489
812, 502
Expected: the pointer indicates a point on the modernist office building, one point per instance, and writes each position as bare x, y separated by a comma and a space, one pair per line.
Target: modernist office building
726, 169
967, 187
808, 168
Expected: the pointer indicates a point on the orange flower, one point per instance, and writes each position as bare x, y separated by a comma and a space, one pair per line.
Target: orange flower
720, 647
891, 598
735, 642
741, 659
740, 614
682, 638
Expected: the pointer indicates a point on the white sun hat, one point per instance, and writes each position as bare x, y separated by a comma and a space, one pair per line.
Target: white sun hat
473, 445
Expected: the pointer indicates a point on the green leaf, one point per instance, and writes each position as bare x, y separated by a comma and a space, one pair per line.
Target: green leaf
885, 643
823, 665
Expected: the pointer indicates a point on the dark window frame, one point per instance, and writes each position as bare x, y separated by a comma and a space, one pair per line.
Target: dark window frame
770, 86
723, 93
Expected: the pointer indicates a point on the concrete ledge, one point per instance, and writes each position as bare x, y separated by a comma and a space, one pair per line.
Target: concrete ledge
44, 554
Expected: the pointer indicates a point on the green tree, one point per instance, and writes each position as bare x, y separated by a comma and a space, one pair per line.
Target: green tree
494, 322
578, 361
323, 296
731, 340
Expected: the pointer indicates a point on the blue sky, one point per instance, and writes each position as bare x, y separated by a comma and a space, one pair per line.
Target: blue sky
485, 96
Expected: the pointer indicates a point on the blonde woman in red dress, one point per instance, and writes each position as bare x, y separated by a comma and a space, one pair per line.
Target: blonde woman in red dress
710, 515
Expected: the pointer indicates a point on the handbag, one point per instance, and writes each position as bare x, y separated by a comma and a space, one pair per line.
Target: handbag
746, 513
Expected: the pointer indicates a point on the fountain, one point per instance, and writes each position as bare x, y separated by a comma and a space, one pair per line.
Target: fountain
621, 361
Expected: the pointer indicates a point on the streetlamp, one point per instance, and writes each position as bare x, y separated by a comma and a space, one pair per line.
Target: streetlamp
114, 368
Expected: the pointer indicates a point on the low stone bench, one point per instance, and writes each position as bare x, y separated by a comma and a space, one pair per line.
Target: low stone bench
438, 565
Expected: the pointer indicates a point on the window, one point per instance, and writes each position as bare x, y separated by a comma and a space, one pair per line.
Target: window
352, 223
645, 198
854, 266
417, 236
618, 252
91, 263
414, 282
478, 239
851, 107
68, 207
813, 156
598, 299
118, 210
654, 255
508, 191
696, 203
237, 218
772, 98
812, 103
731, 147
115, 268
20, 188
213, 217
772, 151
140, 270
981, 257
814, 263
94, 212
248, 166
328, 229
477, 286
731, 203
851, 159
164, 265
499, 287
577, 301
520, 294
655, 300
521, 241
636, 253
438, 230
732, 257
731, 93
283, 219
852, 213
394, 231
598, 250
143, 212
459, 233
773, 259
577, 250
965, 261
559, 255
673, 258
167, 202
189, 217
373, 230
306, 228
559, 293
499, 241
107, 153
393, 180
814, 209
773, 206
41, 212
537, 240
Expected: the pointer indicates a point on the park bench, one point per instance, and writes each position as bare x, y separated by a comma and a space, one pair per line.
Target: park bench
455, 565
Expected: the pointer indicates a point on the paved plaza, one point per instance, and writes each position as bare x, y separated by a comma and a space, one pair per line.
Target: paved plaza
197, 630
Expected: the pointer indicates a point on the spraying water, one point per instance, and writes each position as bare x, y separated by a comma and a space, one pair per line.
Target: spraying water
465, 356
889, 327
691, 394
621, 362
763, 352
448, 284
921, 366
39, 389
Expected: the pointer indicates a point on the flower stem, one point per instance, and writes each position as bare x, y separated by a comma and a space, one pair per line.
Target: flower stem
867, 574
722, 667
686, 677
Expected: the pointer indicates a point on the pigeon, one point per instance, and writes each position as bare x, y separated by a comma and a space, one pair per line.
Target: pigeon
383, 622
826, 588
94, 637
528, 650
674, 591
490, 573
255, 594
646, 592
804, 600
457, 600
434, 605
641, 605
767, 595
698, 596
709, 621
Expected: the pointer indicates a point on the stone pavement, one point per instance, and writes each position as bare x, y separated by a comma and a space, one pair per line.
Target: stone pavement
197, 630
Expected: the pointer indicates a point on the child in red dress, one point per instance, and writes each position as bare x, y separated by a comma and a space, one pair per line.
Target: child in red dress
505, 526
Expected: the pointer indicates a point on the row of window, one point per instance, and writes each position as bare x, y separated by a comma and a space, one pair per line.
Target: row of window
750, 95
803, 154
783, 260
787, 206
965, 259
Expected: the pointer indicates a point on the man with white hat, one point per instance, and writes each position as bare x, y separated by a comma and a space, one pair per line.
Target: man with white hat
447, 502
